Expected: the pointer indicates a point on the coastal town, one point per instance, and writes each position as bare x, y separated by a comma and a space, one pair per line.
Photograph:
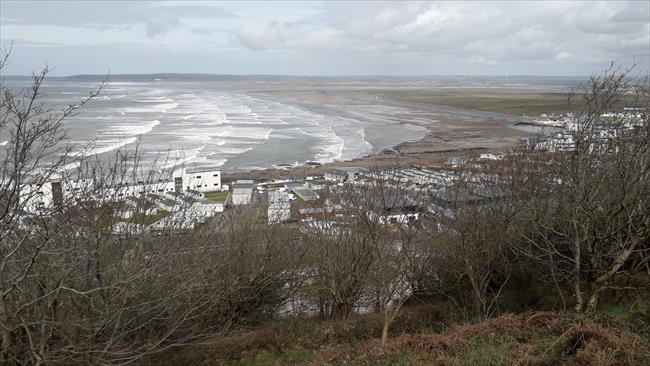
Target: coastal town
197, 196
324, 183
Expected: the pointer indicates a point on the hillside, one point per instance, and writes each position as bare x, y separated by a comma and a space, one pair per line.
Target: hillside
423, 336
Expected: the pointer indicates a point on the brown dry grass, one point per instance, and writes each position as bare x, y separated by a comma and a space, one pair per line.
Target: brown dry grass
420, 338
574, 340
436, 345
594, 344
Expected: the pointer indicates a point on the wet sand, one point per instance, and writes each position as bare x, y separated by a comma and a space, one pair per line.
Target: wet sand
450, 131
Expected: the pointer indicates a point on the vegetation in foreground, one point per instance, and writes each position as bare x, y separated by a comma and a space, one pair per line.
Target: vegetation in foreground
541, 231
422, 335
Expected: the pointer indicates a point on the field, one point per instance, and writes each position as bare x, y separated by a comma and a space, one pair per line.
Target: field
217, 196
515, 103
149, 219
522, 103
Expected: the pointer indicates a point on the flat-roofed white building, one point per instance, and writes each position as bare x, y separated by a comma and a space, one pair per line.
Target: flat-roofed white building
242, 192
338, 176
197, 179
208, 207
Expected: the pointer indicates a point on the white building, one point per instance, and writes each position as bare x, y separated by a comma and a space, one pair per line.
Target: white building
344, 174
197, 179
187, 218
279, 207
491, 156
338, 176
242, 192
207, 207
316, 184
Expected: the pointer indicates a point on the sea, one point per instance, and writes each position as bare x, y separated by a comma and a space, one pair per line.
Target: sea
197, 124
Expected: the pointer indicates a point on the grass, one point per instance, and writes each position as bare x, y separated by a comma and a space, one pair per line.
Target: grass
217, 196
401, 359
148, 219
528, 104
288, 356
616, 311
490, 352
531, 338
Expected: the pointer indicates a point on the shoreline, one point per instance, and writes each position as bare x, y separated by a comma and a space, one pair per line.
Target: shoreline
446, 135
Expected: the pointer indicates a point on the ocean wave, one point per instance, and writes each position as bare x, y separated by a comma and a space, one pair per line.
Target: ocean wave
212, 118
103, 146
3, 143
207, 134
191, 134
155, 100
332, 149
164, 107
129, 129
222, 125
234, 150
177, 158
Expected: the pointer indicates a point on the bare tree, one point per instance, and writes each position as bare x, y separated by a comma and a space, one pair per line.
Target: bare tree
34, 143
585, 210
339, 261
475, 224
75, 291
374, 253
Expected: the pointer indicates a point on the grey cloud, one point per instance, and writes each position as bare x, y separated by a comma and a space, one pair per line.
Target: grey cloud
478, 32
364, 36
160, 26
635, 12
195, 11
101, 13
634, 46
201, 31
108, 15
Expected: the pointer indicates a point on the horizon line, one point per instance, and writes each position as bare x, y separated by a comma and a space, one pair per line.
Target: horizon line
303, 75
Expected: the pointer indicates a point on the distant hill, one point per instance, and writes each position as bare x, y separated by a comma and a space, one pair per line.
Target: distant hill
433, 79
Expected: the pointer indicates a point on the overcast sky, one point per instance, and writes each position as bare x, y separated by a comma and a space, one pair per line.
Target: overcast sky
325, 38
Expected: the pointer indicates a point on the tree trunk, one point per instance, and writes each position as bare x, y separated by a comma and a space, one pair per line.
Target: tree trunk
341, 310
576, 272
6, 334
578, 292
593, 299
384, 329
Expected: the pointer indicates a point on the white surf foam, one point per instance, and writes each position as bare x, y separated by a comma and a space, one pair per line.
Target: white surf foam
104, 146
163, 107
233, 150
183, 157
129, 129
155, 100
332, 148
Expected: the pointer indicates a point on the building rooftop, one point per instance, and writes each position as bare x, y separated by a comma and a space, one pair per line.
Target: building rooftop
305, 193
292, 185
243, 184
205, 169
337, 172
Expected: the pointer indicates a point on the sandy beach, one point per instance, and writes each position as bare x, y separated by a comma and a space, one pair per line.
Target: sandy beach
449, 132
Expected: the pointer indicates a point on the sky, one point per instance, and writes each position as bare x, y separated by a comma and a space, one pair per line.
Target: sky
325, 38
